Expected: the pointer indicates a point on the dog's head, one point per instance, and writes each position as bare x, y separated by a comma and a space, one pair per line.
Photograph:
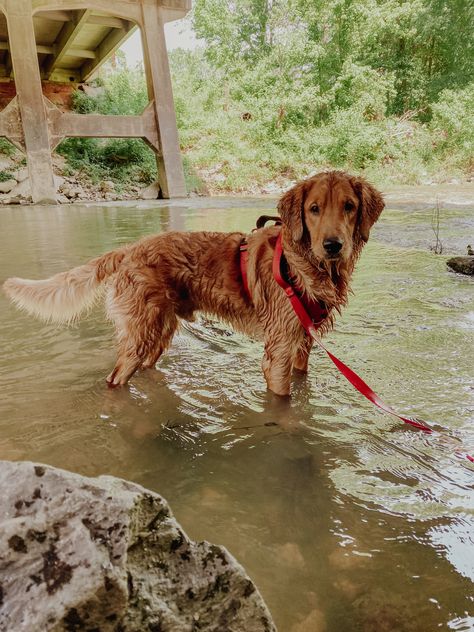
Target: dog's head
331, 214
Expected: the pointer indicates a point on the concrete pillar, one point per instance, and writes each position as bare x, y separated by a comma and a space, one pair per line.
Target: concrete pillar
170, 167
30, 100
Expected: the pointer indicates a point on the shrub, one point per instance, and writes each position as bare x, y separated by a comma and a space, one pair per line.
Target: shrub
452, 126
270, 118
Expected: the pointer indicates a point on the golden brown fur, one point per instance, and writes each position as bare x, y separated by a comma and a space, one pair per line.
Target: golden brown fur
152, 284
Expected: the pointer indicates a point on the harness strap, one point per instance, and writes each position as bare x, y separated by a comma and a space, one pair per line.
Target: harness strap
244, 250
244, 258
310, 315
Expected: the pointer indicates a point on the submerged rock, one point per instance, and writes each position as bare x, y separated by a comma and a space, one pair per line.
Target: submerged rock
104, 554
464, 265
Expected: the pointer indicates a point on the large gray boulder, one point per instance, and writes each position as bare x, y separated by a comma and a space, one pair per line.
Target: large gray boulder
105, 555
464, 265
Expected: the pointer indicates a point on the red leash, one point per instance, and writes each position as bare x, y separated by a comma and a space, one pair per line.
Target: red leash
311, 314
244, 258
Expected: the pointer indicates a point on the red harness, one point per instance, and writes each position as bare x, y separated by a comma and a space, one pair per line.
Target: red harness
311, 314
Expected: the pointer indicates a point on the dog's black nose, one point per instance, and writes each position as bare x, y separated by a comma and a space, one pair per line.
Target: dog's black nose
332, 246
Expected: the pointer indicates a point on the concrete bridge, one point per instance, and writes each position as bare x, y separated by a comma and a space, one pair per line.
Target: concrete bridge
67, 41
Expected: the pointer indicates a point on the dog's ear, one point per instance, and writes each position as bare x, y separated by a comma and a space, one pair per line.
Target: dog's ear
371, 204
290, 208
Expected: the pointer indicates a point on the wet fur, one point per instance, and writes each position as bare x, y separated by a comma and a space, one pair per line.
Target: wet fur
152, 284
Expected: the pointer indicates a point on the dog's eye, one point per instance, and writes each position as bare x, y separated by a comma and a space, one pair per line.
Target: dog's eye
314, 208
349, 206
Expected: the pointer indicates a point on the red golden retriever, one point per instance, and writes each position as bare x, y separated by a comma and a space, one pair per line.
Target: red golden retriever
152, 284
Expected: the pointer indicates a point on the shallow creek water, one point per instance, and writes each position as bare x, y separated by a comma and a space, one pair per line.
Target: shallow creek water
346, 519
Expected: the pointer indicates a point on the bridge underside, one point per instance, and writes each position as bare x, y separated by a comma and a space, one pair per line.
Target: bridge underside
67, 41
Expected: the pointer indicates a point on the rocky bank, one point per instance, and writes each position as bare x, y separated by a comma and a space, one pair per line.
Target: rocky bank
72, 186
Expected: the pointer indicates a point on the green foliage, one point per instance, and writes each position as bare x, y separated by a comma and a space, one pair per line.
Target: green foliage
452, 127
5, 175
425, 46
284, 87
122, 159
123, 92
233, 30
453, 118
6, 147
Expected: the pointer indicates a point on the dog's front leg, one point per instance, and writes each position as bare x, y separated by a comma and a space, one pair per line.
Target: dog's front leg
301, 359
277, 365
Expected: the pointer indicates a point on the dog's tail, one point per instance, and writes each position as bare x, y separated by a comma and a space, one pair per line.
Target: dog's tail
65, 296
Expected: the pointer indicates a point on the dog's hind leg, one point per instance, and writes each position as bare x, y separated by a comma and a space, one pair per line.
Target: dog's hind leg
145, 326
127, 363
138, 348
166, 327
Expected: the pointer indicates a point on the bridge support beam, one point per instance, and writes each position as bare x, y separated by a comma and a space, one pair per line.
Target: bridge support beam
34, 125
160, 92
30, 101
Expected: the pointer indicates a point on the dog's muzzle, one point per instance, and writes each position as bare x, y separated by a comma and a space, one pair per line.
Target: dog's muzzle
332, 247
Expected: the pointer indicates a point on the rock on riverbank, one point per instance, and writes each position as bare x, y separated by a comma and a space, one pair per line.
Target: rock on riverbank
464, 265
105, 554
